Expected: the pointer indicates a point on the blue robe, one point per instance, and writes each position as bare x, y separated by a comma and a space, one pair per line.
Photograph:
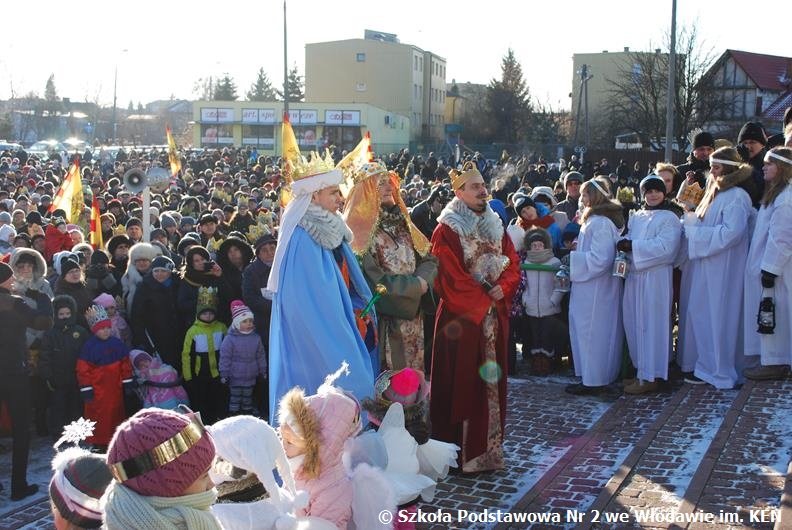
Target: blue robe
313, 327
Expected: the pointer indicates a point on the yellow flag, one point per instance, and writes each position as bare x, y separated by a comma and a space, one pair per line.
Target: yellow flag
173, 153
70, 195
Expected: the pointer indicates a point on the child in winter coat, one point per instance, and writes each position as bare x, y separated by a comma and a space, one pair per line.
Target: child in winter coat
313, 431
60, 348
538, 304
56, 237
119, 328
242, 359
158, 383
104, 374
200, 358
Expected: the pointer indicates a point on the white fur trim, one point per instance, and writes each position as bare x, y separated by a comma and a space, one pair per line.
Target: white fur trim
465, 222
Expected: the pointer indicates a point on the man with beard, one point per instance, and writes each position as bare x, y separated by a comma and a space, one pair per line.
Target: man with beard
752, 147
478, 276
395, 254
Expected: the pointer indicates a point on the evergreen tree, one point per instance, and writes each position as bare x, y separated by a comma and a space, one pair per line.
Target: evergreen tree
140, 109
509, 101
51, 99
294, 84
131, 106
261, 89
225, 90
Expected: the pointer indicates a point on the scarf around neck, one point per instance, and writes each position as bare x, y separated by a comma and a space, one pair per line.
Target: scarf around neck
327, 228
125, 509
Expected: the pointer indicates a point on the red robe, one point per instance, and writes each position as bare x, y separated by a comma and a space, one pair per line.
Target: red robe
55, 241
458, 392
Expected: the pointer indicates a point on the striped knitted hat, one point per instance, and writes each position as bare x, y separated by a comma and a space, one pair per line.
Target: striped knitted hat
78, 482
239, 312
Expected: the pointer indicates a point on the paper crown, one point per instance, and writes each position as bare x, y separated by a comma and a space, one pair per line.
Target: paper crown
460, 178
303, 168
97, 318
207, 300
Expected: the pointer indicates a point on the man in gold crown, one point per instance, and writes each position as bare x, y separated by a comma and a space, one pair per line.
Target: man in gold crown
318, 292
395, 254
477, 278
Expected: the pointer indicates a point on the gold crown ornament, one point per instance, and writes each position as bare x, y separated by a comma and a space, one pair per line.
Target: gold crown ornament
460, 178
207, 300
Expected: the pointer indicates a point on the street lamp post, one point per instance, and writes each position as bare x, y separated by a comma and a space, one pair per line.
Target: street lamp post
671, 88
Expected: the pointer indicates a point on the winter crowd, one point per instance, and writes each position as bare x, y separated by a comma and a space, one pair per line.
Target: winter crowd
367, 310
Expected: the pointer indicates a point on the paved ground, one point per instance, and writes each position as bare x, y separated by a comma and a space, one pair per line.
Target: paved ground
669, 460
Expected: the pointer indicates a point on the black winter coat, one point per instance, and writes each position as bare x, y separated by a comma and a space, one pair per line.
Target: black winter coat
154, 311
15, 317
254, 279
60, 348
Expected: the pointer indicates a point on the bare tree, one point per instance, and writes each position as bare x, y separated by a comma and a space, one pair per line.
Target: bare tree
637, 95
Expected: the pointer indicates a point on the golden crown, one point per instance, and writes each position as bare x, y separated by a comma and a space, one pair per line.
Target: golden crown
369, 169
303, 168
460, 178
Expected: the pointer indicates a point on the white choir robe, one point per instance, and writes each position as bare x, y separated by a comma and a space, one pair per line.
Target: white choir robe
771, 250
717, 247
595, 324
648, 290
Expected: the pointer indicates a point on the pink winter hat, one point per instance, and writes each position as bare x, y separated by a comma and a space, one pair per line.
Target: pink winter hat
239, 312
105, 300
184, 452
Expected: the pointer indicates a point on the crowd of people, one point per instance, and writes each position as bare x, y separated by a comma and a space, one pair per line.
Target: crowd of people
318, 295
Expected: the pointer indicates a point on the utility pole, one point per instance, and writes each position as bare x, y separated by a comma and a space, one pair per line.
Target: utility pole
669, 143
585, 77
285, 65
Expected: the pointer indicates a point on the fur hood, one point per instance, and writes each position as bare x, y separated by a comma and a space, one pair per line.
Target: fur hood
328, 229
611, 209
142, 251
132, 278
39, 265
64, 300
548, 242
465, 222
739, 178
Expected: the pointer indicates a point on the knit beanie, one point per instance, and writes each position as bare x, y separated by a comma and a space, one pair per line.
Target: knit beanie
97, 318
5, 271
5, 217
164, 474
239, 312
573, 175
186, 220
207, 300
752, 131
522, 201
34, 218
162, 262
133, 221
166, 220
100, 257
69, 263
703, 139
653, 182
78, 482
105, 300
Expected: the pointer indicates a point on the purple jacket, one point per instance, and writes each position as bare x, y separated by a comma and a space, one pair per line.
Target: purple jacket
242, 358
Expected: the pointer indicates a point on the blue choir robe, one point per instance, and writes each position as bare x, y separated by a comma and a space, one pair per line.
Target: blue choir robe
313, 328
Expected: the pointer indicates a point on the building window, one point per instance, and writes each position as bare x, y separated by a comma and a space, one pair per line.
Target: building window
360, 57
415, 91
421, 60
415, 61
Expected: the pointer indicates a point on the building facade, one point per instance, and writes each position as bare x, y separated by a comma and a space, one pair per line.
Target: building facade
316, 125
379, 70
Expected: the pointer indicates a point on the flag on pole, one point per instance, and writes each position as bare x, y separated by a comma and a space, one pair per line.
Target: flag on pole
70, 195
290, 152
96, 226
173, 154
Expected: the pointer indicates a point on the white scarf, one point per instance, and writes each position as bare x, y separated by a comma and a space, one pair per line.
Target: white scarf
124, 509
327, 228
465, 222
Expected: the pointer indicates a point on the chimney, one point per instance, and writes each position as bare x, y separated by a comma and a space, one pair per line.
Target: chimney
626, 48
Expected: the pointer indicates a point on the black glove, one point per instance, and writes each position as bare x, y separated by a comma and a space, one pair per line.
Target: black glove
768, 280
744, 153
87, 394
624, 245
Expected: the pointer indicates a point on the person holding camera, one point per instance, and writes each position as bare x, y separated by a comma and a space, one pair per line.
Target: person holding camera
199, 270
